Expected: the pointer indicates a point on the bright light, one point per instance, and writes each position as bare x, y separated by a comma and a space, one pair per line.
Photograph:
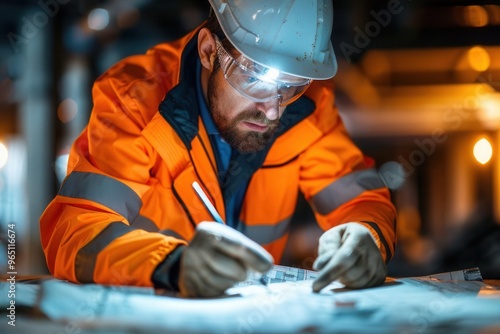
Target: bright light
98, 19
489, 114
4, 155
479, 59
483, 151
271, 74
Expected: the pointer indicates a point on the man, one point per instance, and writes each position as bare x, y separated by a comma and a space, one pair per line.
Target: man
232, 106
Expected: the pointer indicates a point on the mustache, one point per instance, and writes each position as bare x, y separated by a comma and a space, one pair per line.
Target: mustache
256, 116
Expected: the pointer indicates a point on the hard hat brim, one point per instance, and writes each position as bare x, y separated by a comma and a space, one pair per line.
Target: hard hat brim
292, 36
297, 66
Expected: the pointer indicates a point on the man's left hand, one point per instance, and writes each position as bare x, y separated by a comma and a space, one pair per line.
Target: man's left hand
348, 253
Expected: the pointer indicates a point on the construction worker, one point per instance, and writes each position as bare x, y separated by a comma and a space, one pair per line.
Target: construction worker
242, 105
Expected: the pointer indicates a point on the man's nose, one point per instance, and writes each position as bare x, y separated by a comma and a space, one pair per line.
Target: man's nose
270, 108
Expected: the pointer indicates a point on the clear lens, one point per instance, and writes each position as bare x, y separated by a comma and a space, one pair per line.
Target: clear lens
257, 82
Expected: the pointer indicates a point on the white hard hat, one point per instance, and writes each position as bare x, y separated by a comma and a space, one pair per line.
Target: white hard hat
290, 35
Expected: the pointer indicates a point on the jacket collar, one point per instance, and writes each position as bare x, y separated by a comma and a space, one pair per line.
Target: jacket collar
180, 109
180, 106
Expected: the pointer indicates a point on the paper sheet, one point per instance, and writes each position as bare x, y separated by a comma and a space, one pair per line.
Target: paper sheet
400, 305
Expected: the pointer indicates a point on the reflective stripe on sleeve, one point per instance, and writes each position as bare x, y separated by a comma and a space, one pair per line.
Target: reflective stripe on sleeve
87, 255
103, 190
172, 233
346, 188
265, 234
144, 223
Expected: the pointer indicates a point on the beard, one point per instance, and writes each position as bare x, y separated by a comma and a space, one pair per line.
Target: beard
243, 141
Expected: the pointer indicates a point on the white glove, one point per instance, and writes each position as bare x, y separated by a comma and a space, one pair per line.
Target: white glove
210, 264
349, 254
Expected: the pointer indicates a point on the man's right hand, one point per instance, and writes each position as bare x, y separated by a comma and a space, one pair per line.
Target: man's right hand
211, 264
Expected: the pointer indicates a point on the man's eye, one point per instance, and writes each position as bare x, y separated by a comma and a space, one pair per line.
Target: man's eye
251, 79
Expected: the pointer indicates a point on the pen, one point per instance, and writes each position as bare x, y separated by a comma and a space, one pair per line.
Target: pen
213, 211
207, 203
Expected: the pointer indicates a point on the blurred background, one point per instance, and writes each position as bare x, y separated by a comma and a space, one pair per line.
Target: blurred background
418, 88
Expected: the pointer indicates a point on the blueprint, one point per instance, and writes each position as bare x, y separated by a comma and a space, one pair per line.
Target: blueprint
453, 303
279, 274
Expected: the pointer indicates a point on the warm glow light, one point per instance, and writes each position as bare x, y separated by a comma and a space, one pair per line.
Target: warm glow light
493, 14
479, 58
489, 114
475, 16
483, 151
4, 155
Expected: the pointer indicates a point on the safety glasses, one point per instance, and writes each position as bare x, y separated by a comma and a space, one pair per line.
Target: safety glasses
259, 83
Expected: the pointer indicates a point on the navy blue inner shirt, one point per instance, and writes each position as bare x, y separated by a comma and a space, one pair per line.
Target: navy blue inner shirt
223, 152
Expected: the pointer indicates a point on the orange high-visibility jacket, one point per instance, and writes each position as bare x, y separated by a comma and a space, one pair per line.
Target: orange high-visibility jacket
128, 202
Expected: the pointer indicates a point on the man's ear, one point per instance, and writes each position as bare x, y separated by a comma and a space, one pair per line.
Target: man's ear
207, 48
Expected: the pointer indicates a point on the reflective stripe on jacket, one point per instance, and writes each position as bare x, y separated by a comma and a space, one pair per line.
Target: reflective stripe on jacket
127, 201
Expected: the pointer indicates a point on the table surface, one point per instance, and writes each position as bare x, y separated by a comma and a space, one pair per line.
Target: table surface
493, 282
31, 320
